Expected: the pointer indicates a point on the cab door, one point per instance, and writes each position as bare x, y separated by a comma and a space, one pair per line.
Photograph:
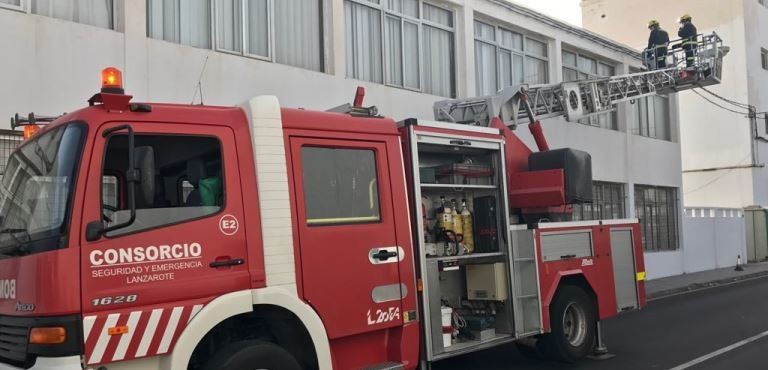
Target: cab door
349, 252
184, 248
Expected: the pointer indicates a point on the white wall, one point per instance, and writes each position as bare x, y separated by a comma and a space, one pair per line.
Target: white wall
715, 238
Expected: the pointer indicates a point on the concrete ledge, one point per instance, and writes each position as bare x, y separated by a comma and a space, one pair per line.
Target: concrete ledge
660, 288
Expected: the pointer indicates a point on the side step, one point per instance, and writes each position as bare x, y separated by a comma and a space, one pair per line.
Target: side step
386, 366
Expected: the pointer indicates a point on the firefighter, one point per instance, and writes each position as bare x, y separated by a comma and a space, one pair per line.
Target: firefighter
656, 53
689, 39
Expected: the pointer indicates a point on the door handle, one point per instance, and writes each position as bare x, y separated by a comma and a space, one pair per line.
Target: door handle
226, 263
383, 255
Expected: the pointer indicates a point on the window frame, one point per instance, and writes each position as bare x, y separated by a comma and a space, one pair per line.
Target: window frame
500, 48
649, 101
244, 34
652, 242
593, 121
764, 57
222, 207
384, 13
271, 55
23, 6
376, 162
599, 202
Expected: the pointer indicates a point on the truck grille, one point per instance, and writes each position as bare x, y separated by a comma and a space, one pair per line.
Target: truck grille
14, 336
15, 349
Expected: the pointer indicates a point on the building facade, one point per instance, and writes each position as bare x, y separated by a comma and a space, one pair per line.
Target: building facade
314, 53
724, 149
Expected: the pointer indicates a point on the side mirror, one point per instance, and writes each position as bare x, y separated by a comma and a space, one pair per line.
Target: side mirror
94, 230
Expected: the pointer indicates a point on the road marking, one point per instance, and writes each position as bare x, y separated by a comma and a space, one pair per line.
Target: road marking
720, 351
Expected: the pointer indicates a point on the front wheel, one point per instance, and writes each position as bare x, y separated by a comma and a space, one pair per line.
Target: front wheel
572, 316
252, 355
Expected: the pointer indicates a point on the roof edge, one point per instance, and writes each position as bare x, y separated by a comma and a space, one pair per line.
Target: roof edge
578, 31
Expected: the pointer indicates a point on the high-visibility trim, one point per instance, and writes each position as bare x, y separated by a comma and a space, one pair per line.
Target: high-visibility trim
341, 220
140, 334
641, 276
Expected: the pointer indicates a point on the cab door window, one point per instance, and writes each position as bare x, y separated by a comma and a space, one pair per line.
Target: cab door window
340, 186
195, 160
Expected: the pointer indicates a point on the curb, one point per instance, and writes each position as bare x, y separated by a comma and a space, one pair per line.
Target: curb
705, 285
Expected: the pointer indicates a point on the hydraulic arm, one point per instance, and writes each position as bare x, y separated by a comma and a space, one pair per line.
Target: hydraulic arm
583, 98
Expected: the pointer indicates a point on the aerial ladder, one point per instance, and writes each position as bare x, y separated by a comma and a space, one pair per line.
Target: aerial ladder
541, 194
579, 99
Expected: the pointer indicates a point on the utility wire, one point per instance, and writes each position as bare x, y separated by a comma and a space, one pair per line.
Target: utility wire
738, 104
718, 105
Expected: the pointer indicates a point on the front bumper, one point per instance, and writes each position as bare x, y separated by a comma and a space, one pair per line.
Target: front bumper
50, 363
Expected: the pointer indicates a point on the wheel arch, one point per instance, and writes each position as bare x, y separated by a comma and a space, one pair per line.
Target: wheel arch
573, 278
233, 304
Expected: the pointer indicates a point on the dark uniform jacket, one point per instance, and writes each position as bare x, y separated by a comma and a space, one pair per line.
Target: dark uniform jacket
658, 37
687, 32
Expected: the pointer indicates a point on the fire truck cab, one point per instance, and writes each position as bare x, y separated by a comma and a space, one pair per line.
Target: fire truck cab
163, 236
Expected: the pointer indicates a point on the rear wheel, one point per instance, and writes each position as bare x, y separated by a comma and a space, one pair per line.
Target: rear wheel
252, 355
572, 316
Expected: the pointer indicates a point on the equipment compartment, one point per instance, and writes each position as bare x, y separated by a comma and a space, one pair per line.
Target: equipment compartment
463, 241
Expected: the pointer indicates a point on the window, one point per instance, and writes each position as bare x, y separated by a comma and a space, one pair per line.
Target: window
93, 12
382, 44
764, 58
505, 58
582, 67
340, 186
652, 117
608, 203
437, 44
282, 31
656, 207
110, 192
185, 22
160, 200
37, 192
11, 4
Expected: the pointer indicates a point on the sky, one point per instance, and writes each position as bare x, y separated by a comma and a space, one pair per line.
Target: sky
566, 10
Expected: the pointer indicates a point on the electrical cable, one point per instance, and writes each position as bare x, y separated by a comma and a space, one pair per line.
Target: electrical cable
738, 104
718, 105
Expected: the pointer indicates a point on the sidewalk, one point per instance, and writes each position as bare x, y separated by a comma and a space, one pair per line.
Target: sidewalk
699, 280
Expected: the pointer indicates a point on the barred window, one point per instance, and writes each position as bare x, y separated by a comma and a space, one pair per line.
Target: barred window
656, 207
608, 203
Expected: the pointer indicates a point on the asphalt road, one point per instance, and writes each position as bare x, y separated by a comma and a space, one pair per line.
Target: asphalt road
669, 332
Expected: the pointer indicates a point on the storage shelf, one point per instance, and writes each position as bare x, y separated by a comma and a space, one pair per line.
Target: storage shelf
466, 256
527, 296
473, 345
457, 186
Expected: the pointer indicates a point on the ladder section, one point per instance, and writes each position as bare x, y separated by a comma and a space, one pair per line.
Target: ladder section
525, 290
583, 98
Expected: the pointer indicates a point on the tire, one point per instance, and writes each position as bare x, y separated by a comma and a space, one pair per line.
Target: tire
573, 324
252, 355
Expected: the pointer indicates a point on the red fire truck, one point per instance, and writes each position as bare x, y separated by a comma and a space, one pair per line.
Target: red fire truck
165, 236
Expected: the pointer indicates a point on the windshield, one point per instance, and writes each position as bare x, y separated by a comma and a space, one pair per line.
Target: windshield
36, 191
